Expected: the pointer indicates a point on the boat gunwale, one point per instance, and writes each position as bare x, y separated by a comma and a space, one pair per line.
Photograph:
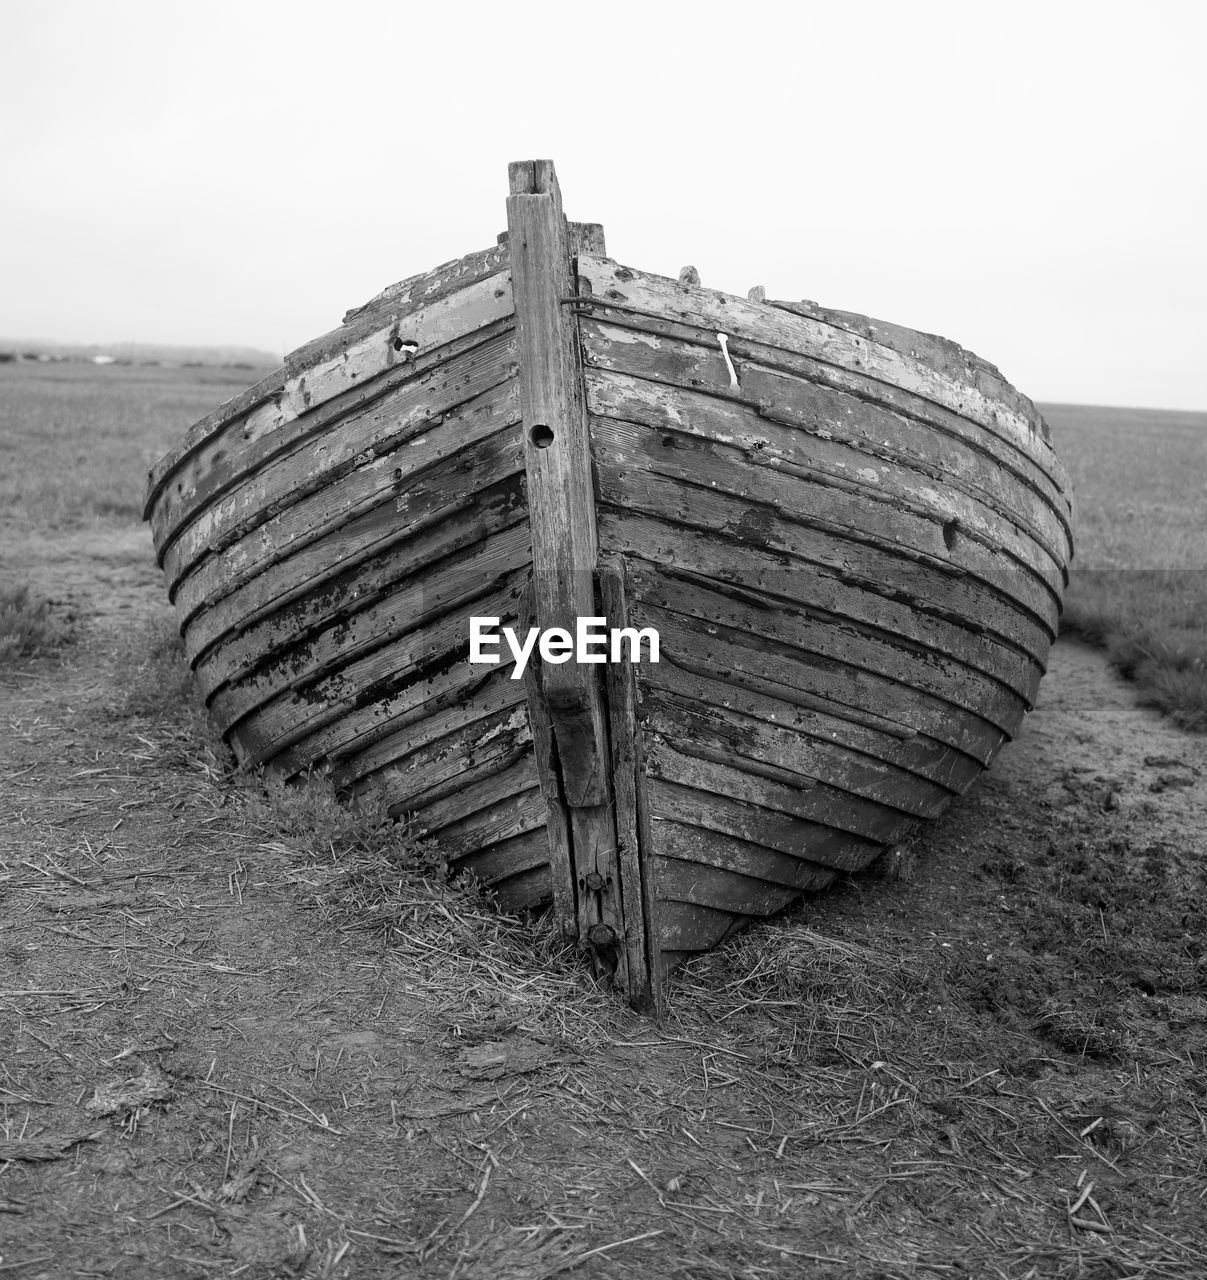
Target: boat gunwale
769, 411
328, 416
1025, 411
378, 315
236, 578
363, 322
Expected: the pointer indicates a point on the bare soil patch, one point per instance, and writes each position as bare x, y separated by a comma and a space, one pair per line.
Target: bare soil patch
986, 1060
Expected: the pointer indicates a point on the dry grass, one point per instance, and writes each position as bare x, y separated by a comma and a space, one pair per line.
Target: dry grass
812, 1104
250, 1035
28, 625
1139, 585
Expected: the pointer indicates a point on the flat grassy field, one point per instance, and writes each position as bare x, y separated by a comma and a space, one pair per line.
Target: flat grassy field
248, 1033
1139, 583
1140, 480
76, 440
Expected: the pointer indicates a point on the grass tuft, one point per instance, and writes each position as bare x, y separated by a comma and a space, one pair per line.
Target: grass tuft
807, 965
28, 628
310, 817
158, 683
367, 868
1087, 1033
1153, 625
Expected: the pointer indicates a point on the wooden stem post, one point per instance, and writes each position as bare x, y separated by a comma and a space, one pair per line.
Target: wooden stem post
557, 457
566, 700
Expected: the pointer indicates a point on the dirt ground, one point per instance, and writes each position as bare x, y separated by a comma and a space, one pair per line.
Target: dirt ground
986, 1059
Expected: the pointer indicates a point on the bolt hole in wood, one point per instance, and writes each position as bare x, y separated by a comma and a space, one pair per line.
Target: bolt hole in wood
541, 435
949, 534
407, 348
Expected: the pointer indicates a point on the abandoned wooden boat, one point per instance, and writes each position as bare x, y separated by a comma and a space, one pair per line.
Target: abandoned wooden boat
851, 540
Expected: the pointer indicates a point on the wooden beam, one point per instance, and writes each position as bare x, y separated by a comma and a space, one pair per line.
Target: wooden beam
576, 761
634, 843
585, 237
588, 237
557, 458
557, 821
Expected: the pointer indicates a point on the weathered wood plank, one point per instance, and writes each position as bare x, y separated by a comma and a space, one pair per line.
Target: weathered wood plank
270, 732
367, 418
450, 587
683, 926
254, 417
827, 685
974, 494
295, 595
923, 757
723, 890
558, 462
351, 708
690, 461
723, 854
412, 693
421, 313
743, 616
562, 513
417, 291
601, 920
400, 434
789, 751
1030, 497
758, 540
312, 379
817, 822
355, 711
523, 892
519, 854
411, 765
939, 353
268, 391
405, 801
1005, 412
492, 450
688, 356
472, 835
478, 795
587, 237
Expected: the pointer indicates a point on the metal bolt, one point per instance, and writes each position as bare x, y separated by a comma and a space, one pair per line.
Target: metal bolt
595, 880
601, 935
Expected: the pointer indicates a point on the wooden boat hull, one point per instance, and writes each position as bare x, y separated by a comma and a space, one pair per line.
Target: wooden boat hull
851, 540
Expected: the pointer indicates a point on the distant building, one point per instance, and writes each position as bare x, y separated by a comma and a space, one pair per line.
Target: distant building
102, 360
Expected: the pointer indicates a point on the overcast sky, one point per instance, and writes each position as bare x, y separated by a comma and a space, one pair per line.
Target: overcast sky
1027, 179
